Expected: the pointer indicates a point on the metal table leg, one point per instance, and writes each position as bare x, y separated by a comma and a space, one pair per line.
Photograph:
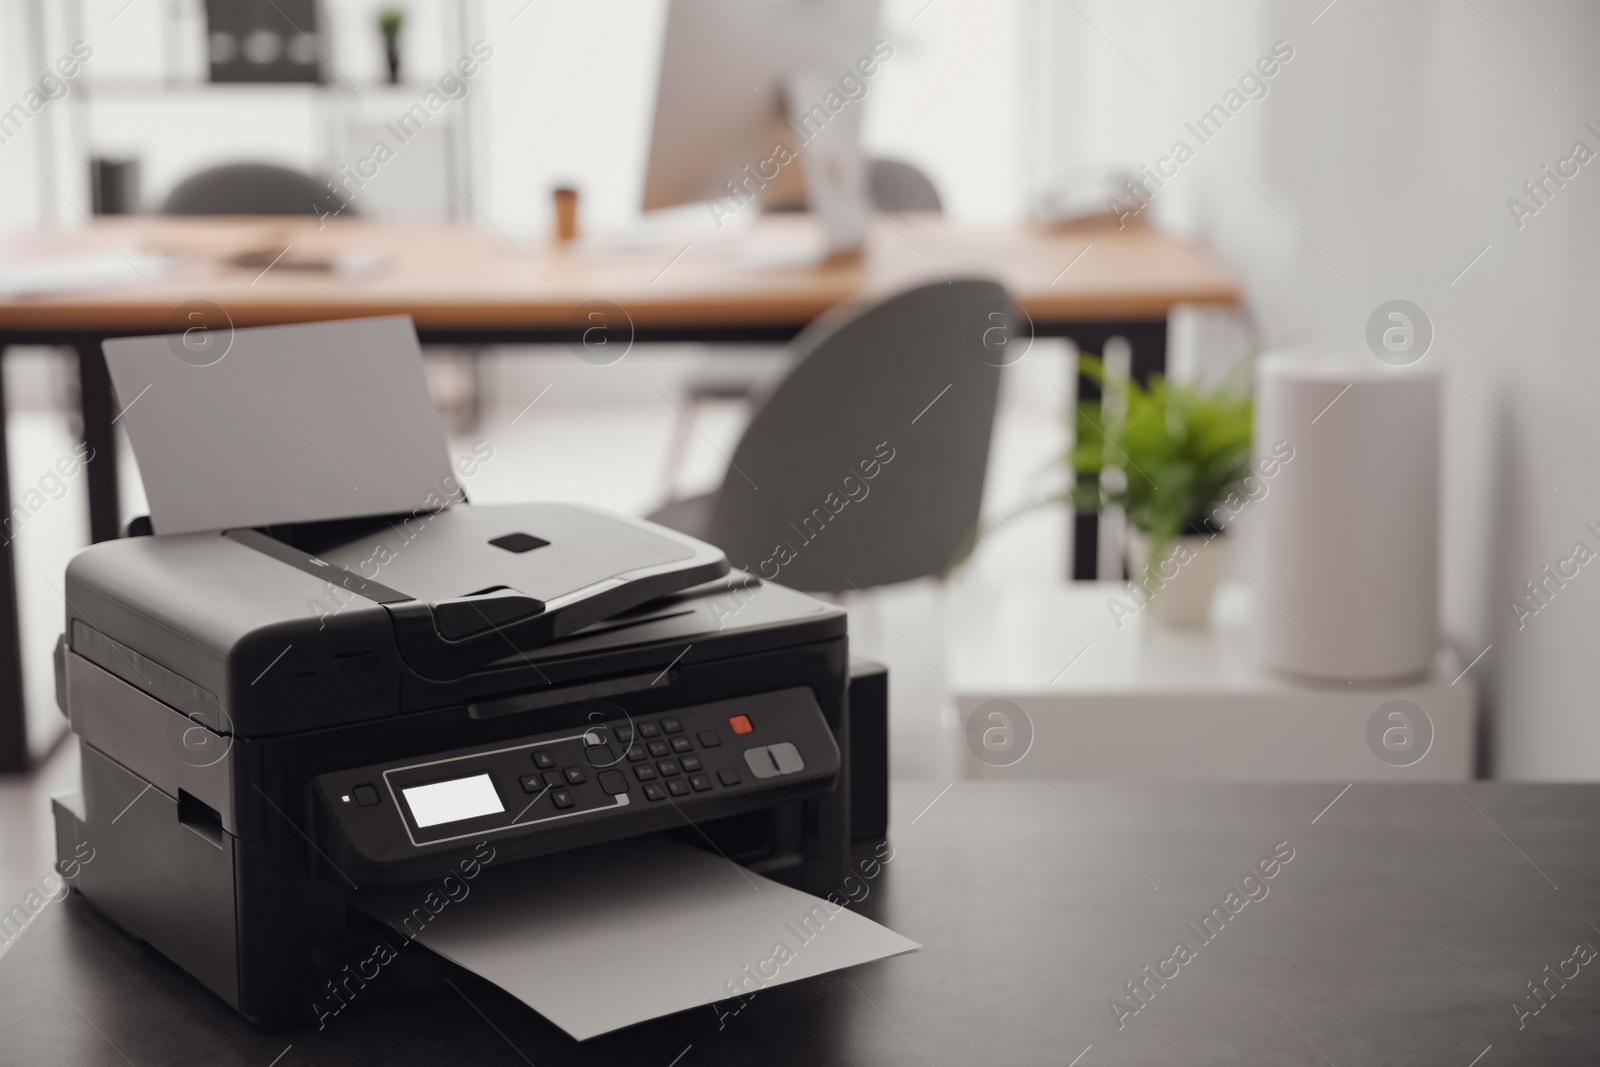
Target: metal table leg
13, 713
99, 408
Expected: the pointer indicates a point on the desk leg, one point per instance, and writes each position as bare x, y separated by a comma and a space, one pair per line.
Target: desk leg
1149, 342
99, 408
13, 715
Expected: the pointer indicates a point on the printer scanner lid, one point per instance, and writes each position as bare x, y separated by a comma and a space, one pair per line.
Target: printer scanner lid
467, 584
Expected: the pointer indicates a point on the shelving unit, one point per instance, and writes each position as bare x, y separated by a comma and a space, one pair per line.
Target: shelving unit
341, 114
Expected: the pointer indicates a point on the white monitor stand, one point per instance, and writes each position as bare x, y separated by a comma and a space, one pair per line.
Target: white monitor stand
829, 145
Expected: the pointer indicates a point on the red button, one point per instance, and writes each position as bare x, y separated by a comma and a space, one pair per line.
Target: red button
740, 724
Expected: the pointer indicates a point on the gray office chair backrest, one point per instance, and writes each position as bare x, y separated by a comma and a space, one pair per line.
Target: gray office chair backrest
252, 189
898, 186
865, 465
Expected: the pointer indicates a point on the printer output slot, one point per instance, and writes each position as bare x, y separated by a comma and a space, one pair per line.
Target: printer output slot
766, 836
572, 694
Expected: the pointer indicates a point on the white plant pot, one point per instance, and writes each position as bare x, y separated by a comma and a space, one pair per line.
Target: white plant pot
1179, 589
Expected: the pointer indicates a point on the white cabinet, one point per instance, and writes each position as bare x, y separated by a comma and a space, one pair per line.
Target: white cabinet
1138, 702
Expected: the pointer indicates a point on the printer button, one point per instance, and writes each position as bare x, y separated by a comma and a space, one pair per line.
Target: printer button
682, 744
575, 775
531, 783
554, 780
740, 724
365, 795
644, 772
563, 799
598, 755
613, 782
700, 782
671, 725
637, 753
690, 763
624, 731
787, 757
649, 729
653, 792
709, 739
759, 760
658, 749
678, 787
728, 776
543, 760
667, 767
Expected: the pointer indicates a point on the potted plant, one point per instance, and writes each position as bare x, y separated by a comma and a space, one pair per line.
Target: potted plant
1178, 453
390, 21
1175, 458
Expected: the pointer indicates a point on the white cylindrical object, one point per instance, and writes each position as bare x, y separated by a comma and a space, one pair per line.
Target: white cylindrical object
1349, 529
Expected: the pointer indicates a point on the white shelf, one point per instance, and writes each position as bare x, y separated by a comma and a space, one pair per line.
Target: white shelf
1145, 703
119, 88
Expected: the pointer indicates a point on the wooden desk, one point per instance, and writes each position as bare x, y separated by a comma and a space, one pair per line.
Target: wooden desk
466, 285
1403, 930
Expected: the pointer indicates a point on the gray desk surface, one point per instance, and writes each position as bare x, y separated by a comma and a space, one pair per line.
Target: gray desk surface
1403, 931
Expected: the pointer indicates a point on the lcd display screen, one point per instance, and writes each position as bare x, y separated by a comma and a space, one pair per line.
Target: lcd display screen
452, 801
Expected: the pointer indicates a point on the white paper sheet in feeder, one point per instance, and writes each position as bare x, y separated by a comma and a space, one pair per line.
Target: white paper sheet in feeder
280, 424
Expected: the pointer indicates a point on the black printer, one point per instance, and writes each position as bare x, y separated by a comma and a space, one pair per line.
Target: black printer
271, 723
251, 755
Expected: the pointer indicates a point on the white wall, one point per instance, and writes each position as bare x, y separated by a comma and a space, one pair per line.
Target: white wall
1392, 141
953, 102
30, 44
572, 89
566, 99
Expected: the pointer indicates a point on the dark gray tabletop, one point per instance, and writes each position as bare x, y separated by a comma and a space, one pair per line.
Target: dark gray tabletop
1404, 929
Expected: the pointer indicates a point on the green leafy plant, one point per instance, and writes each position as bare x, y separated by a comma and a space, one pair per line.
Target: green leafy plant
390, 21
1181, 449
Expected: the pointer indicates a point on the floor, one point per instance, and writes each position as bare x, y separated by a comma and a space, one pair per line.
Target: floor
561, 430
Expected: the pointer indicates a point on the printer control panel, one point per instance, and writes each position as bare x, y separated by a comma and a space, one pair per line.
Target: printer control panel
624, 771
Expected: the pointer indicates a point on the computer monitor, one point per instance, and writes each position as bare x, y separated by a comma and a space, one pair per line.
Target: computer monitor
759, 103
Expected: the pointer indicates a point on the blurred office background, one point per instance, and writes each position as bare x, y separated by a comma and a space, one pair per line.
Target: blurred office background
1377, 166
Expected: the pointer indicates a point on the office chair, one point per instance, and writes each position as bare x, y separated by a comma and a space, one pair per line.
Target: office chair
893, 187
252, 189
896, 186
865, 465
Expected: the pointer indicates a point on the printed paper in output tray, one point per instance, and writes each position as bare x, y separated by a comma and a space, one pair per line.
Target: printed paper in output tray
605, 937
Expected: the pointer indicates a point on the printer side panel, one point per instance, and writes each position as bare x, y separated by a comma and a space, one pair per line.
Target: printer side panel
240, 915
159, 872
